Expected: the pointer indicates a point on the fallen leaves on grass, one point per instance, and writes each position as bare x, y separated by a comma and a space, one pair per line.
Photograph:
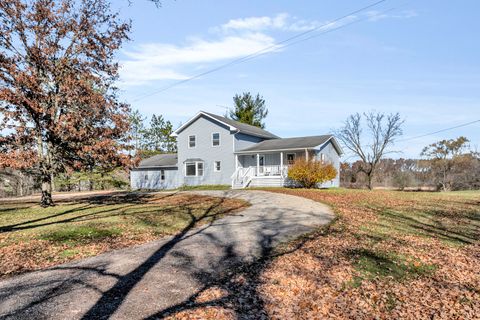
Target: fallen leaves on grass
389, 255
361, 270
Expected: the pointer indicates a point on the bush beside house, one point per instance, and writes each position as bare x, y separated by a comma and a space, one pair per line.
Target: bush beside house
309, 174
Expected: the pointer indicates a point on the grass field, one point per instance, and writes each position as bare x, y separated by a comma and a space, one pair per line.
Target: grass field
388, 255
32, 237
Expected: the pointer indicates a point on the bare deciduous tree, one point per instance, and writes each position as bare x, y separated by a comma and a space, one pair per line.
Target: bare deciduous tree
382, 130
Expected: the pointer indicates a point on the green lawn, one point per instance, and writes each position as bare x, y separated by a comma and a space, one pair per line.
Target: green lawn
32, 237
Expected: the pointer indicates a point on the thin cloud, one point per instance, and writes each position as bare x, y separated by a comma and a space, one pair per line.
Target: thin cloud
281, 21
256, 23
161, 61
374, 15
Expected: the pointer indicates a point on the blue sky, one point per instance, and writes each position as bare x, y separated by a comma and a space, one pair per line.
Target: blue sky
420, 59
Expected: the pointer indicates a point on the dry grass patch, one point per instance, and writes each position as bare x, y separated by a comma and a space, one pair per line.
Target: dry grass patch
33, 238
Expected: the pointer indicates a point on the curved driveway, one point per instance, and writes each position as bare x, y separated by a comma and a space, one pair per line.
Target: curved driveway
146, 280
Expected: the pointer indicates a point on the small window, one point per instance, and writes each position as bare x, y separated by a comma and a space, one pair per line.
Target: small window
162, 175
215, 139
217, 166
192, 141
322, 158
200, 169
190, 169
146, 177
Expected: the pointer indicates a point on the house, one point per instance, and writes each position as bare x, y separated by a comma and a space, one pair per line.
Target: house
216, 150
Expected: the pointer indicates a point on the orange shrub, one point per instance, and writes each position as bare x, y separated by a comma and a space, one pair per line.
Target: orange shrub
311, 173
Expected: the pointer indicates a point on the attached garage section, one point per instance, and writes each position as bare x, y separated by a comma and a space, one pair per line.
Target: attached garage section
157, 172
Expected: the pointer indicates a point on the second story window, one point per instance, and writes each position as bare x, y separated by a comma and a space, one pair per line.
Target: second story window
192, 141
215, 139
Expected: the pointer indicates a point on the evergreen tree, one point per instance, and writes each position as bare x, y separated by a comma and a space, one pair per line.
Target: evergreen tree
158, 137
137, 130
248, 109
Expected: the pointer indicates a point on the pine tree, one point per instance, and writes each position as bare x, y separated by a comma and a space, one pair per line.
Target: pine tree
249, 110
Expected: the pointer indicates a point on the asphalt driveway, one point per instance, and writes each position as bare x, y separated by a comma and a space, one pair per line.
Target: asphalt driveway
145, 281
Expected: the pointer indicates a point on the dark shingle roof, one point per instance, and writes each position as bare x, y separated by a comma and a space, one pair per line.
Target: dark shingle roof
288, 143
243, 127
160, 160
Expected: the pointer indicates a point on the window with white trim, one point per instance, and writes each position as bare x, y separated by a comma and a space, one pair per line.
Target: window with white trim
322, 158
192, 141
217, 166
194, 169
162, 175
215, 139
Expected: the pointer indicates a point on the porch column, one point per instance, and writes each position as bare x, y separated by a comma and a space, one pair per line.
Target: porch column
236, 161
306, 154
258, 164
281, 163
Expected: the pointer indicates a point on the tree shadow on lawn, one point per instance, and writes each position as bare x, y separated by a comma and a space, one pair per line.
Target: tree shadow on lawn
129, 199
448, 230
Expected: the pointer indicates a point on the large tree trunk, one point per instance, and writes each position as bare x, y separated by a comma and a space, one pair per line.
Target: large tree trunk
46, 174
370, 178
46, 200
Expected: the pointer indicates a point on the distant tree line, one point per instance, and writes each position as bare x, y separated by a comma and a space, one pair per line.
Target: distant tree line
444, 166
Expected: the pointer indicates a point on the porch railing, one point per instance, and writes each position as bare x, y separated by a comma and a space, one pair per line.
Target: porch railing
242, 176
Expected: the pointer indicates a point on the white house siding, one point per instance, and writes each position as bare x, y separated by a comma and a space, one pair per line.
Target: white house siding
243, 141
331, 156
203, 128
151, 178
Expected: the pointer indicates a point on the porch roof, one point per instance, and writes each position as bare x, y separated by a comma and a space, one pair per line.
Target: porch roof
288, 144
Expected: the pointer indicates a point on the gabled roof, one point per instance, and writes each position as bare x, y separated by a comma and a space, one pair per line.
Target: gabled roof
160, 160
231, 124
293, 144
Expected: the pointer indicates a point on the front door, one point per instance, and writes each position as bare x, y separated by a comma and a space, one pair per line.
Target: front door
261, 162
290, 158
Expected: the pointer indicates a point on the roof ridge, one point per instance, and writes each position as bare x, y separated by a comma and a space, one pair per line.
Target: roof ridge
234, 123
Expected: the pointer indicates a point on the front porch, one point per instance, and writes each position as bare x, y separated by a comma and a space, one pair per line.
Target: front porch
265, 169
